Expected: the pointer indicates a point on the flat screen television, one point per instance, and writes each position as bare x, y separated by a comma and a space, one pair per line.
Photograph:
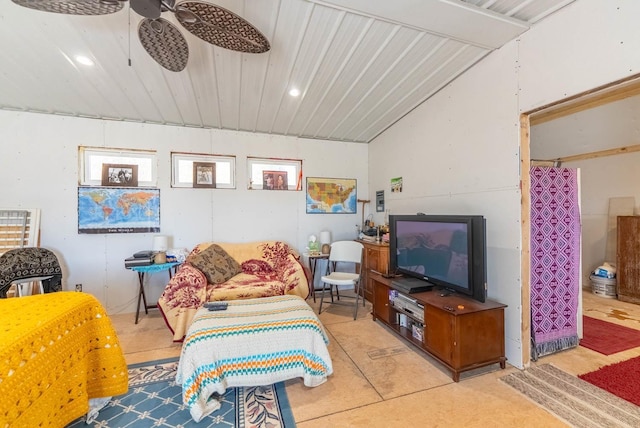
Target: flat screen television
448, 251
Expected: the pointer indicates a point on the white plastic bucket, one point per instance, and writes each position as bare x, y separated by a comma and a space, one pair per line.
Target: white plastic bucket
604, 287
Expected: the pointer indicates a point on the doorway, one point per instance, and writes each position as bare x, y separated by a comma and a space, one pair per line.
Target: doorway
600, 96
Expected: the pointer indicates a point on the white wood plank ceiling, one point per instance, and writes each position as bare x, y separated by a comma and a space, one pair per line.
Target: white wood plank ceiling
360, 65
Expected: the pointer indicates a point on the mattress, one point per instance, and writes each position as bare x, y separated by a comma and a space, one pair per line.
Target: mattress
253, 342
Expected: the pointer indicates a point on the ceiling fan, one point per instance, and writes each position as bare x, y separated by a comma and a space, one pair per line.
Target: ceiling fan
160, 38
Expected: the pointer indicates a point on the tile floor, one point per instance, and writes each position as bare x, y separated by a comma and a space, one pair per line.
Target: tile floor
381, 381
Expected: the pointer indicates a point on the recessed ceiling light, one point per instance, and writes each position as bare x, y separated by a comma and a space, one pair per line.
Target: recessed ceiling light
84, 60
294, 92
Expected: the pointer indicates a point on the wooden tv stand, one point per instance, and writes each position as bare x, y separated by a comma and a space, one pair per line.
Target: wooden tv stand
461, 333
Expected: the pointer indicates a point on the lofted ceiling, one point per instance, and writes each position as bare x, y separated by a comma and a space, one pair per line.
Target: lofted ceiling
360, 65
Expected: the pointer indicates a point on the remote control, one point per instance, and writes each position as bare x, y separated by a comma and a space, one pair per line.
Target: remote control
216, 303
216, 306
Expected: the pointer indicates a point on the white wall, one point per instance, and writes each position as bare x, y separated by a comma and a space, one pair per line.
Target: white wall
601, 179
39, 169
459, 152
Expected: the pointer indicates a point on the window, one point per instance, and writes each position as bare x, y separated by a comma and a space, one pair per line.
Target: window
261, 168
182, 169
92, 158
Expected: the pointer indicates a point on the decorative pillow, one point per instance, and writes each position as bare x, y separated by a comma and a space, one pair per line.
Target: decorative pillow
215, 264
256, 267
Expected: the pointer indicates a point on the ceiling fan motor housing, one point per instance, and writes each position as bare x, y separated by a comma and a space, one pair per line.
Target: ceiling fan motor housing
151, 8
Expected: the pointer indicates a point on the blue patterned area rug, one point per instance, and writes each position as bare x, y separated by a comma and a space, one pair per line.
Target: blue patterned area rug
154, 400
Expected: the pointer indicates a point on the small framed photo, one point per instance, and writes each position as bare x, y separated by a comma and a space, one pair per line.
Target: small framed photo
275, 180
119, 175
204, 174
379, 201
281, 180
396, 185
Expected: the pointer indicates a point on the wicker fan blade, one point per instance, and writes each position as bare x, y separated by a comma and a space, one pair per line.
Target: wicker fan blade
147, 8
220, 27
74, 7
164, 42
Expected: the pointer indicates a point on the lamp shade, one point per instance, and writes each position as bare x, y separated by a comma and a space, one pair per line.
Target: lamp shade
325, 237
160, 243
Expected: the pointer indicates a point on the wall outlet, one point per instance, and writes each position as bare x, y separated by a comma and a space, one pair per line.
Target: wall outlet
78, 287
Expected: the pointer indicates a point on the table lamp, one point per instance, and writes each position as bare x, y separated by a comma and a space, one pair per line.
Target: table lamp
325, 241
160, 246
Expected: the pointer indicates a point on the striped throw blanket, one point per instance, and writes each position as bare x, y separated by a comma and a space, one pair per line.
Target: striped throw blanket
253, 342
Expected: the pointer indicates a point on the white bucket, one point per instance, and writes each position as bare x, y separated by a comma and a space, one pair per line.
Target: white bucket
604, 287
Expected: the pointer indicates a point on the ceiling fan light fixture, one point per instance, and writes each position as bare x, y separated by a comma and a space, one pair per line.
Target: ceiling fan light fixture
156, 25
185, 16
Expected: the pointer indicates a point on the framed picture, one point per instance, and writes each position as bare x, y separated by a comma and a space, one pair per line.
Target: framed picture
379, 201
331, 195
119, 175
118, 210
204, 174
396, 185
275, 180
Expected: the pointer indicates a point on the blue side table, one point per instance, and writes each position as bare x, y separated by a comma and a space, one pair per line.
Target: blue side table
142, 271
313, 260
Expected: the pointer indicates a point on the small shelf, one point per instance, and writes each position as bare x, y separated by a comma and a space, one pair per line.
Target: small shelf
407, 333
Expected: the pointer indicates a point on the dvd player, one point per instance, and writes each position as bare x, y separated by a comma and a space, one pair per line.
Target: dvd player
410, 306
411, 285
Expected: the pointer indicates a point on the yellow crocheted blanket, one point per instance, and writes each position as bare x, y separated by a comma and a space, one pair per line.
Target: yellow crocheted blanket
57, 350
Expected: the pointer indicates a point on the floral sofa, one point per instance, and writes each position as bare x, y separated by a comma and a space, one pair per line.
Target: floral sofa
224, 271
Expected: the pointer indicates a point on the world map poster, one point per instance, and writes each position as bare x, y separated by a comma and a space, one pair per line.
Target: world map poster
118, 210
331, 196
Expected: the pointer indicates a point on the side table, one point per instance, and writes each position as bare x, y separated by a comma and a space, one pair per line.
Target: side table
313, 260
142, 271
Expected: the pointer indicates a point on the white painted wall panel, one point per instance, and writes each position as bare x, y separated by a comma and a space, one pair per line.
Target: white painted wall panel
585, 45
458, 154
40, 170
603, 178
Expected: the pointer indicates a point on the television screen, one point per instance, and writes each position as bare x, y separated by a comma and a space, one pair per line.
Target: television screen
447, 251
434, 250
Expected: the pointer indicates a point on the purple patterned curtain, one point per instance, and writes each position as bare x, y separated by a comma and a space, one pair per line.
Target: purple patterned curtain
555, 259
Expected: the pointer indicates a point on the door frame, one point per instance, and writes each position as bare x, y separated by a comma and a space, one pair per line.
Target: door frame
614, 91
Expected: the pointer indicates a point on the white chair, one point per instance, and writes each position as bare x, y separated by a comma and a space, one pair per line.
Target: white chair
344, 254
